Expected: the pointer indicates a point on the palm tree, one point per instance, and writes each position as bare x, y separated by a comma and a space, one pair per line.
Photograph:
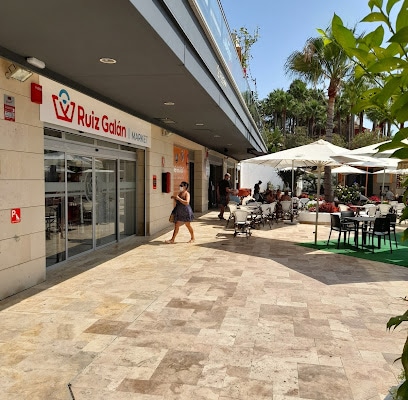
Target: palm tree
322, 60
314, 110
298, 91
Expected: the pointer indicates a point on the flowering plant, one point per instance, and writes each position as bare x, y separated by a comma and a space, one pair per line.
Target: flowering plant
374, 199
347, 194
324, 208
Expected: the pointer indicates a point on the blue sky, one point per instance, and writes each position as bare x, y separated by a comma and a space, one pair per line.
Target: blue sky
284, 26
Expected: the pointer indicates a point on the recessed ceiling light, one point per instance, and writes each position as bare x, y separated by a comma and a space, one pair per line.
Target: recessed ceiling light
199, 124
217, 136
107, 60
167, 120
168, 103
229, 144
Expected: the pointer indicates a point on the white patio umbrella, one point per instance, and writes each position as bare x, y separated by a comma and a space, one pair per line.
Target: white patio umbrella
347, 170
372, 150
317, 154
372, 162
392, 171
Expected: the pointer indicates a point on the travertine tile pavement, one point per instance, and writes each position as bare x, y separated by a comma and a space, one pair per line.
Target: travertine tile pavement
224, 318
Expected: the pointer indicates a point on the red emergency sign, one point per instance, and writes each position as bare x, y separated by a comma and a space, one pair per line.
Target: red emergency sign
15, 215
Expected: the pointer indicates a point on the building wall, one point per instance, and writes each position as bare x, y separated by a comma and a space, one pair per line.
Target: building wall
159, 205
252, 173
22, 245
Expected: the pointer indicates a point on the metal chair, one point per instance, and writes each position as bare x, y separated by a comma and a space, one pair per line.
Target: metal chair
303, 202
370, 209
381, 228
287, 212
338, 226
393, 223
267, 215
399, 209
232, 207
272, 208
241, 224
384, 209
343, 218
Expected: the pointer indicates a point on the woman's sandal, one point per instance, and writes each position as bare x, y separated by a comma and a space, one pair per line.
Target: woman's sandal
191, 241
168, 242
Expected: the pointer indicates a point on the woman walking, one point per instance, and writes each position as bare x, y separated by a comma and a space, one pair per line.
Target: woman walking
183, 214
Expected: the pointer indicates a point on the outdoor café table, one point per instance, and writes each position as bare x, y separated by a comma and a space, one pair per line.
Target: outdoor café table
361, 222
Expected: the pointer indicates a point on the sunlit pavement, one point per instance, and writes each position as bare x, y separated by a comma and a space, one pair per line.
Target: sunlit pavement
223, 318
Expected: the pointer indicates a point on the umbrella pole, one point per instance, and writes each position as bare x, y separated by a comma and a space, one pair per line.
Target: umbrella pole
293, 183
317, 201
382, 189
366, 184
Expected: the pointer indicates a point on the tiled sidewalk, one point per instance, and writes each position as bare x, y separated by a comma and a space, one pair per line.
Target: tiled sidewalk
224, 318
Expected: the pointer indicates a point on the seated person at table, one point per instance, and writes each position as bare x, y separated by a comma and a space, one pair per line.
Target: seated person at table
285, 196
269, 196
389, 195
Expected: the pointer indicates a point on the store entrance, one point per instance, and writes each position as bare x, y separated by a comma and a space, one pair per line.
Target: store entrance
89, 202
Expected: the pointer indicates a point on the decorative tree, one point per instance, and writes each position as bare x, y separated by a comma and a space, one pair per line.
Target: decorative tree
387, 66
322, 59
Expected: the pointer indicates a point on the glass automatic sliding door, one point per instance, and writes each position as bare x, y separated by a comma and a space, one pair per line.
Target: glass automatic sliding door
89, 201
78, 225
54, 171
105, 201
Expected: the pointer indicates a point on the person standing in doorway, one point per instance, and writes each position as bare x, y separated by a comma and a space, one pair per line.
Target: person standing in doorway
183, 214
223, 191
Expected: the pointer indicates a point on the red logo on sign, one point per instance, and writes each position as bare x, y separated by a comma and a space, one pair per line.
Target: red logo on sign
63, 106
15, 215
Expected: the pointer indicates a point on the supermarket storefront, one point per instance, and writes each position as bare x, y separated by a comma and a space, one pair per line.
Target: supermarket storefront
94, 171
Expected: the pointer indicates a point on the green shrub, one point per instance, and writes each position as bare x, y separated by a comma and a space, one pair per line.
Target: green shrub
347, 194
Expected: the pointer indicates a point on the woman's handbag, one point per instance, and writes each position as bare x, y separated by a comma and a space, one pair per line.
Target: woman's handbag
171, 218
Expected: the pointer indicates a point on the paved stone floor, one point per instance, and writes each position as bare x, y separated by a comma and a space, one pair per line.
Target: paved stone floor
223, 318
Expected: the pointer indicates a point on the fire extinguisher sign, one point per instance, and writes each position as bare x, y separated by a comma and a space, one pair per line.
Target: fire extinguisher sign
15, 215
9, 108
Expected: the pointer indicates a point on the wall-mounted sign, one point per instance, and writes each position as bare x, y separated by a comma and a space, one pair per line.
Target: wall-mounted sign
154, 181
15, 215
9, 108
181, 167
36, 93
67, 107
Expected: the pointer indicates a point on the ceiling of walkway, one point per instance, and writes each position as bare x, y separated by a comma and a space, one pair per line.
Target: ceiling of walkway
71, 37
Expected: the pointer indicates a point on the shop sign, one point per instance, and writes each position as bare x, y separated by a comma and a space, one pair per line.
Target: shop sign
67, 107
9, 108
402, 164
15, 215
181, 167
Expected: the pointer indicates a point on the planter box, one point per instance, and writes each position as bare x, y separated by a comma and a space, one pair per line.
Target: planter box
306, 217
